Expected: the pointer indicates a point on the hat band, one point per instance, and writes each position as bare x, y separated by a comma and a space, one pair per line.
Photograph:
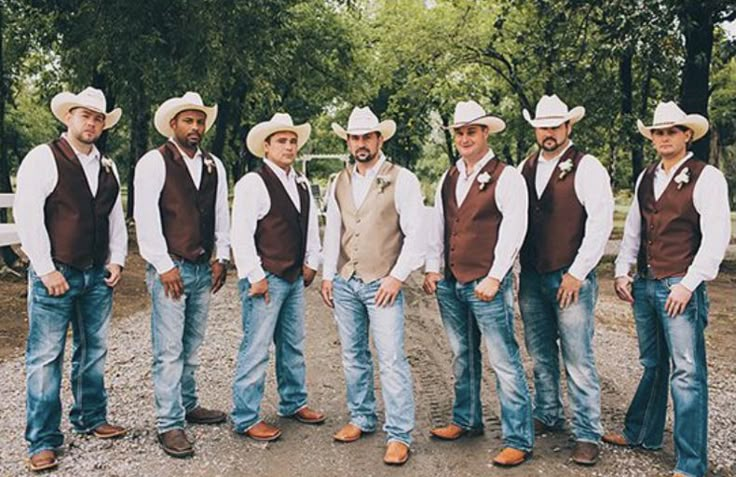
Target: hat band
665, 123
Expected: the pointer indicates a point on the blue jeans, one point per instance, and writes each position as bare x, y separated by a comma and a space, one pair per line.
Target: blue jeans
177, 330
466, 320
281, 321
546, 324
87, 305
679, 341
356, 315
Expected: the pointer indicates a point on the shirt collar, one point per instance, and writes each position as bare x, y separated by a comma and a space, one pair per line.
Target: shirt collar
660, 167
461, 167
282, 174
93, 154
373, 171
557, 157
184, 155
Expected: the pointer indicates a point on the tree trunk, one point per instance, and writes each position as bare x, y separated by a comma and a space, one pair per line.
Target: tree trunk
449, 143
5, 185
696, 17
141, 117
223, 120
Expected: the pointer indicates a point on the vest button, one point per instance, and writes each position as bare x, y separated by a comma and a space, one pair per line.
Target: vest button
651, 243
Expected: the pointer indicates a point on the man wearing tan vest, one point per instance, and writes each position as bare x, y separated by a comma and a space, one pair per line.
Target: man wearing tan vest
676, 233
570, 219
71, 225
275, 241
372, 243
183, 229
478, 225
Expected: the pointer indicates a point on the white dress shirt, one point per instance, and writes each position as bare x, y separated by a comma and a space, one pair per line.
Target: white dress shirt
252, 203
511, 200
409, 205
150, 175
710, 198
37, 179
593, 190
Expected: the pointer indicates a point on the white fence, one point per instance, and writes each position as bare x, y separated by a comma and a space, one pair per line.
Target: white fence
8, 232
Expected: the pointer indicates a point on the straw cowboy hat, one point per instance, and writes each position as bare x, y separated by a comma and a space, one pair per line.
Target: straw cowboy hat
668, 115
551, 112
189, 102
363, 121
90, 98
469, 112
280, 122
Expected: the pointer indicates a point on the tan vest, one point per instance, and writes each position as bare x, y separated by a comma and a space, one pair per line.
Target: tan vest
370, 236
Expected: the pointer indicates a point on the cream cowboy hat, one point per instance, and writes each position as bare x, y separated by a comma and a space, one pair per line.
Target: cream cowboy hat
470, 112
363, 121
280, 122
668, 115
90, 98
551, 112
173, 106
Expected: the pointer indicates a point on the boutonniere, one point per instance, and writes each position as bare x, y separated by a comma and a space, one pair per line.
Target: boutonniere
484, 179
209, 163
302, 181
382, 182
107, 164
682, 178
565, 167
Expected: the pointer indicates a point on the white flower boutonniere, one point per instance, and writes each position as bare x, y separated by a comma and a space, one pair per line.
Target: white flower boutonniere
682, 178
302, 181
382, 182
484, 179
107, 164
565, 167
209, 163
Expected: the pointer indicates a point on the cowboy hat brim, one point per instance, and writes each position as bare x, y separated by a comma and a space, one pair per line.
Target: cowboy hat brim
259, 133
574, 115
695, 122
495, 125
64, 102
171, 107
387, 128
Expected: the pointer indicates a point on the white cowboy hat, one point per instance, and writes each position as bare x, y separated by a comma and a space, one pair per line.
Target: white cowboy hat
90, 98
470, 112
280, 122
363, 121
668, 115
173, 106
551, 112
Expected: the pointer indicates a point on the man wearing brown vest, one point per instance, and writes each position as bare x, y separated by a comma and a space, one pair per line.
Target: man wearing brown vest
570, 219
676, 233
479, 221
372, 243
276, 247
71, 225
183, 230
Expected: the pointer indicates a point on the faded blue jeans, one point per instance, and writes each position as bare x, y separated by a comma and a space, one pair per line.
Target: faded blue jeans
356, 315
280, 322
177, 330
467, 321
678, 341
87, 306
549, 329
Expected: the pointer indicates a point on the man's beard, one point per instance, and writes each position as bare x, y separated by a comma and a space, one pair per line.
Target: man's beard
367, 158
552, 148
81, 138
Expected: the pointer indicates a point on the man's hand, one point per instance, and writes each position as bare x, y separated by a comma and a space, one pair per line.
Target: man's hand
677, 300
116, 271
327, 293
622, 285
388, 291
173, 286
260, 288
308, 275
569, 291
219, 274
430, 282
486, 290
55, 283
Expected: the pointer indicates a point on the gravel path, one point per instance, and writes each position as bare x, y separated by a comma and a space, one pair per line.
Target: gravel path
305, 450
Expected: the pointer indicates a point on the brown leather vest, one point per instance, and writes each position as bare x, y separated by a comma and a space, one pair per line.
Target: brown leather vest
670, 226
187, 213
281, 236
78, 223
471, 230
556, 220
